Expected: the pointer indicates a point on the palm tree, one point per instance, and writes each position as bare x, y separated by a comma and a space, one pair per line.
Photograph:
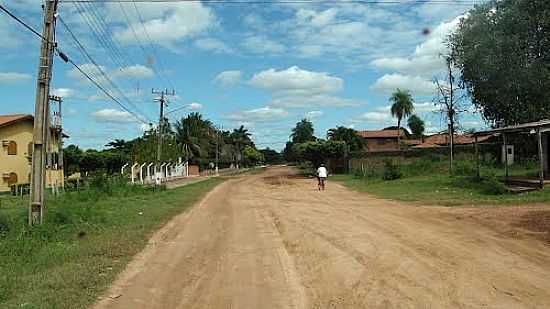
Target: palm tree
188, 137
402, 106
241, 138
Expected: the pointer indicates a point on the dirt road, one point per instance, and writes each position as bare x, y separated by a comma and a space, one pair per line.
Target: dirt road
272, 241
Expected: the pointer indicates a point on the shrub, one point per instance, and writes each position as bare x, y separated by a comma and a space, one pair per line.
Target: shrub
464, 168
491, 185
391, 170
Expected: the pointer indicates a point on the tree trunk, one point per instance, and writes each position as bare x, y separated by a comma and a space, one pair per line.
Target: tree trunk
399, 133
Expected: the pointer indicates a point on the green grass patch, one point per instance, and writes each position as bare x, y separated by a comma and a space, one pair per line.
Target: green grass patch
440, 190
87, 239
427, 180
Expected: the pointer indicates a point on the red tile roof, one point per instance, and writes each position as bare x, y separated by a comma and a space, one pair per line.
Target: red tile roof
9, 119
380, 134
459, 139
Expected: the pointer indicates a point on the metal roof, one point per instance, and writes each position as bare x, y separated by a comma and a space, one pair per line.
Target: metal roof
544, 125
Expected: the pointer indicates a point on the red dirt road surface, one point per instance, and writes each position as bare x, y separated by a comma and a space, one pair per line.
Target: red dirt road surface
273, 241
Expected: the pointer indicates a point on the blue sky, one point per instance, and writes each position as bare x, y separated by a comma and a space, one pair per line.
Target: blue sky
265, 66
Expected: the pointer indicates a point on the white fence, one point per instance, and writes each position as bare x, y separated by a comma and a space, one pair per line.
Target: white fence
149, 172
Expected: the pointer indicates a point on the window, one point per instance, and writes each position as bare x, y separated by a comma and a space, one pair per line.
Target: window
12, 179
12, 148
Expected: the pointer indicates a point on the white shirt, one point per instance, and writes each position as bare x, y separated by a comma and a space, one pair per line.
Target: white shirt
322, 172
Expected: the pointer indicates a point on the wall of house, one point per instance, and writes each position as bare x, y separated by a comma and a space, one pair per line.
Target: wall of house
382, 144
22, 133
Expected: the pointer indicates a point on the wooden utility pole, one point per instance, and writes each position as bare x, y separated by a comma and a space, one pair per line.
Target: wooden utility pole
41, 116
162, 101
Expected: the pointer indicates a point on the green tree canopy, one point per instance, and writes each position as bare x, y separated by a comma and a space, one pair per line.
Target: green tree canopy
347, 135
416, 125
303, 132
319, 151
503, 52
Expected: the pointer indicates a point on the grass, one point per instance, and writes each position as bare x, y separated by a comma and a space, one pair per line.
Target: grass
427, 181
87, 239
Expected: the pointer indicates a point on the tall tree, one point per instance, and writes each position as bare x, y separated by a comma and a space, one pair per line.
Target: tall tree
402, 106
190, 133
241, 138
503, 53
303, 132
416, 125
348, 135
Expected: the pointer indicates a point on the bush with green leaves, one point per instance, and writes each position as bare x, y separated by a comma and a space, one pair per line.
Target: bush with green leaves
392, 171
464, 168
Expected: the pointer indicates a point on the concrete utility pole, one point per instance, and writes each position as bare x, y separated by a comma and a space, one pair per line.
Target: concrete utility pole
41, 116
162, 101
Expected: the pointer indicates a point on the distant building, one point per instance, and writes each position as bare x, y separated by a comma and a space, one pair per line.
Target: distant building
16, 133
383, 140
442, 139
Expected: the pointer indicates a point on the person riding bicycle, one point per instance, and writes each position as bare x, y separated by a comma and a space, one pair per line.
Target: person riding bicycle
322, 176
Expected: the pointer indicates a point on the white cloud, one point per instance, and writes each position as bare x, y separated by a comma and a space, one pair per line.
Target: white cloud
168, 23
113, 116
64, 93
13, 77
418, 86
424, 65
263, 45
228, 78
375, 117
295, 87
88, 68
135, 71
195, 106
314, 114
426, 107
262, 114
318, 100
213, 45
426, 59
316, 19
295, 81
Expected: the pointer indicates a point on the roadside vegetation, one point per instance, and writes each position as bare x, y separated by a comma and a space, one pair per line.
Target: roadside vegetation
427, 180
87, 239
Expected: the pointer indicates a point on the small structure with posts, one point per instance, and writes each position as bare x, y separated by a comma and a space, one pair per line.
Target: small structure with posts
540, 130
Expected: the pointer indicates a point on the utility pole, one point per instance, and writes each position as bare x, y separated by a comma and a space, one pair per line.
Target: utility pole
217, 149
57, 126
41, 116
162, 101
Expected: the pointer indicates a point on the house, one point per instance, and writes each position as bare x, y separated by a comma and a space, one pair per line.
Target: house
383, 140
442, 139
16, 134
538, 131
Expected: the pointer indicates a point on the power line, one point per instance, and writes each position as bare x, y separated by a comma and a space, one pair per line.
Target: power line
10, 14
107, 93
138, 40
102, 72
163, 70
65, 58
